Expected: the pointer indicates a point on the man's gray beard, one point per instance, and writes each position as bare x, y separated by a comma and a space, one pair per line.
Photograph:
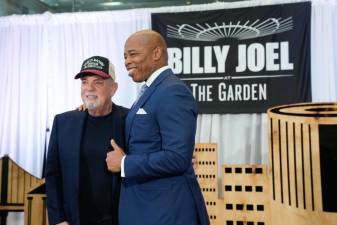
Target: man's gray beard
90, 106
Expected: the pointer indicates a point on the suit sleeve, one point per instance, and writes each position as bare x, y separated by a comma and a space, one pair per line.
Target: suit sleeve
54, 180
176, 115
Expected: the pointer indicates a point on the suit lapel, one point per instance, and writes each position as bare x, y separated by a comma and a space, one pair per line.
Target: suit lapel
142, 100
77, 134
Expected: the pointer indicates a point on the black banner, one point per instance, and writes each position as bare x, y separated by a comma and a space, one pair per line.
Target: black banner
242, 60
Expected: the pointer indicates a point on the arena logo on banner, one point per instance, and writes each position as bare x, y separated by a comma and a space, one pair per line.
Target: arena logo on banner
241, 60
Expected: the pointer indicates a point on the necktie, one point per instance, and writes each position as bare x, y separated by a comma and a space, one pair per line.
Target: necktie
141, 92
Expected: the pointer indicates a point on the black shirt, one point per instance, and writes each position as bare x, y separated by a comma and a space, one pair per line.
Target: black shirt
97, 194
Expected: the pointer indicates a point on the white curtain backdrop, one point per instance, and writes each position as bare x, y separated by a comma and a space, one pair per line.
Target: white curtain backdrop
23, 91
324, 50
40, 54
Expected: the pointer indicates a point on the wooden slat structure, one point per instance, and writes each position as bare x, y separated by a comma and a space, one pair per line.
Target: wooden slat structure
207, 175
245, 194
35, 206
303, 158
14, 184
245, 189
298, 186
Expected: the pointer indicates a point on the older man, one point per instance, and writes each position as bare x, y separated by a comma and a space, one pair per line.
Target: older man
159, 186
80, 189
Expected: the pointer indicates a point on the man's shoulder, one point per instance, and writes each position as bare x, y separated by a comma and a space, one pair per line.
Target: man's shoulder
173, 83
171, 79
71, 114
120, 110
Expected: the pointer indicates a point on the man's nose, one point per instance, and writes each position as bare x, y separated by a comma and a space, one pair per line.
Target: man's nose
90, 86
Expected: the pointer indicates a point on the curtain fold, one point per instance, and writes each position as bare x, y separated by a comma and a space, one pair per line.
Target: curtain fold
324, 50
23, 91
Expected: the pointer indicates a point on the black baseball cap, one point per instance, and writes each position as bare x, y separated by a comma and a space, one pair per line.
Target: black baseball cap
97, 65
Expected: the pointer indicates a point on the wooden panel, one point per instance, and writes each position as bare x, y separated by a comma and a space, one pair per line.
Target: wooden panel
316, 168
35, 210
284, 161
246, 194
21, 186
11, 180
299, 166
296, 137
295, 216
14, 185
207, 175
307, 168
292, 168
245, 190
275, 155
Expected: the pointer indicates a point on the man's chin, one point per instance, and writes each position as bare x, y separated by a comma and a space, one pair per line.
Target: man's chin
91, 106
132, 77
137, 80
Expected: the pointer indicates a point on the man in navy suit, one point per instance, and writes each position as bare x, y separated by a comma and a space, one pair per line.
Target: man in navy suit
159, 186
80, 189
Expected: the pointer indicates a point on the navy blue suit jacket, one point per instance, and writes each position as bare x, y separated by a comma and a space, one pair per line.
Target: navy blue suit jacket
160, 187
62, 167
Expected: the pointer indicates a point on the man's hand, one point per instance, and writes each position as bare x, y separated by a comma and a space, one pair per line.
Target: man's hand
194, 161
114, 158
63, 223
81, 108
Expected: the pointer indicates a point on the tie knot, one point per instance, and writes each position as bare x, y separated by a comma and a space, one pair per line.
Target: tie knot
143, 89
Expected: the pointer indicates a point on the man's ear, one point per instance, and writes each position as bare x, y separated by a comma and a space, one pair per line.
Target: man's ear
157, 53
114, 88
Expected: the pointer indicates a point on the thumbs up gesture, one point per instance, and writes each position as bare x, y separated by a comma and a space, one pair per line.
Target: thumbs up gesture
114, 157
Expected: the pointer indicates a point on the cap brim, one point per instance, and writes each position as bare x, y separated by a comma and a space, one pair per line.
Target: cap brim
92, 72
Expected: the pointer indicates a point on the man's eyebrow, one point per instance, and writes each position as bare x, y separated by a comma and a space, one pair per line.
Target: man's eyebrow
131, 50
